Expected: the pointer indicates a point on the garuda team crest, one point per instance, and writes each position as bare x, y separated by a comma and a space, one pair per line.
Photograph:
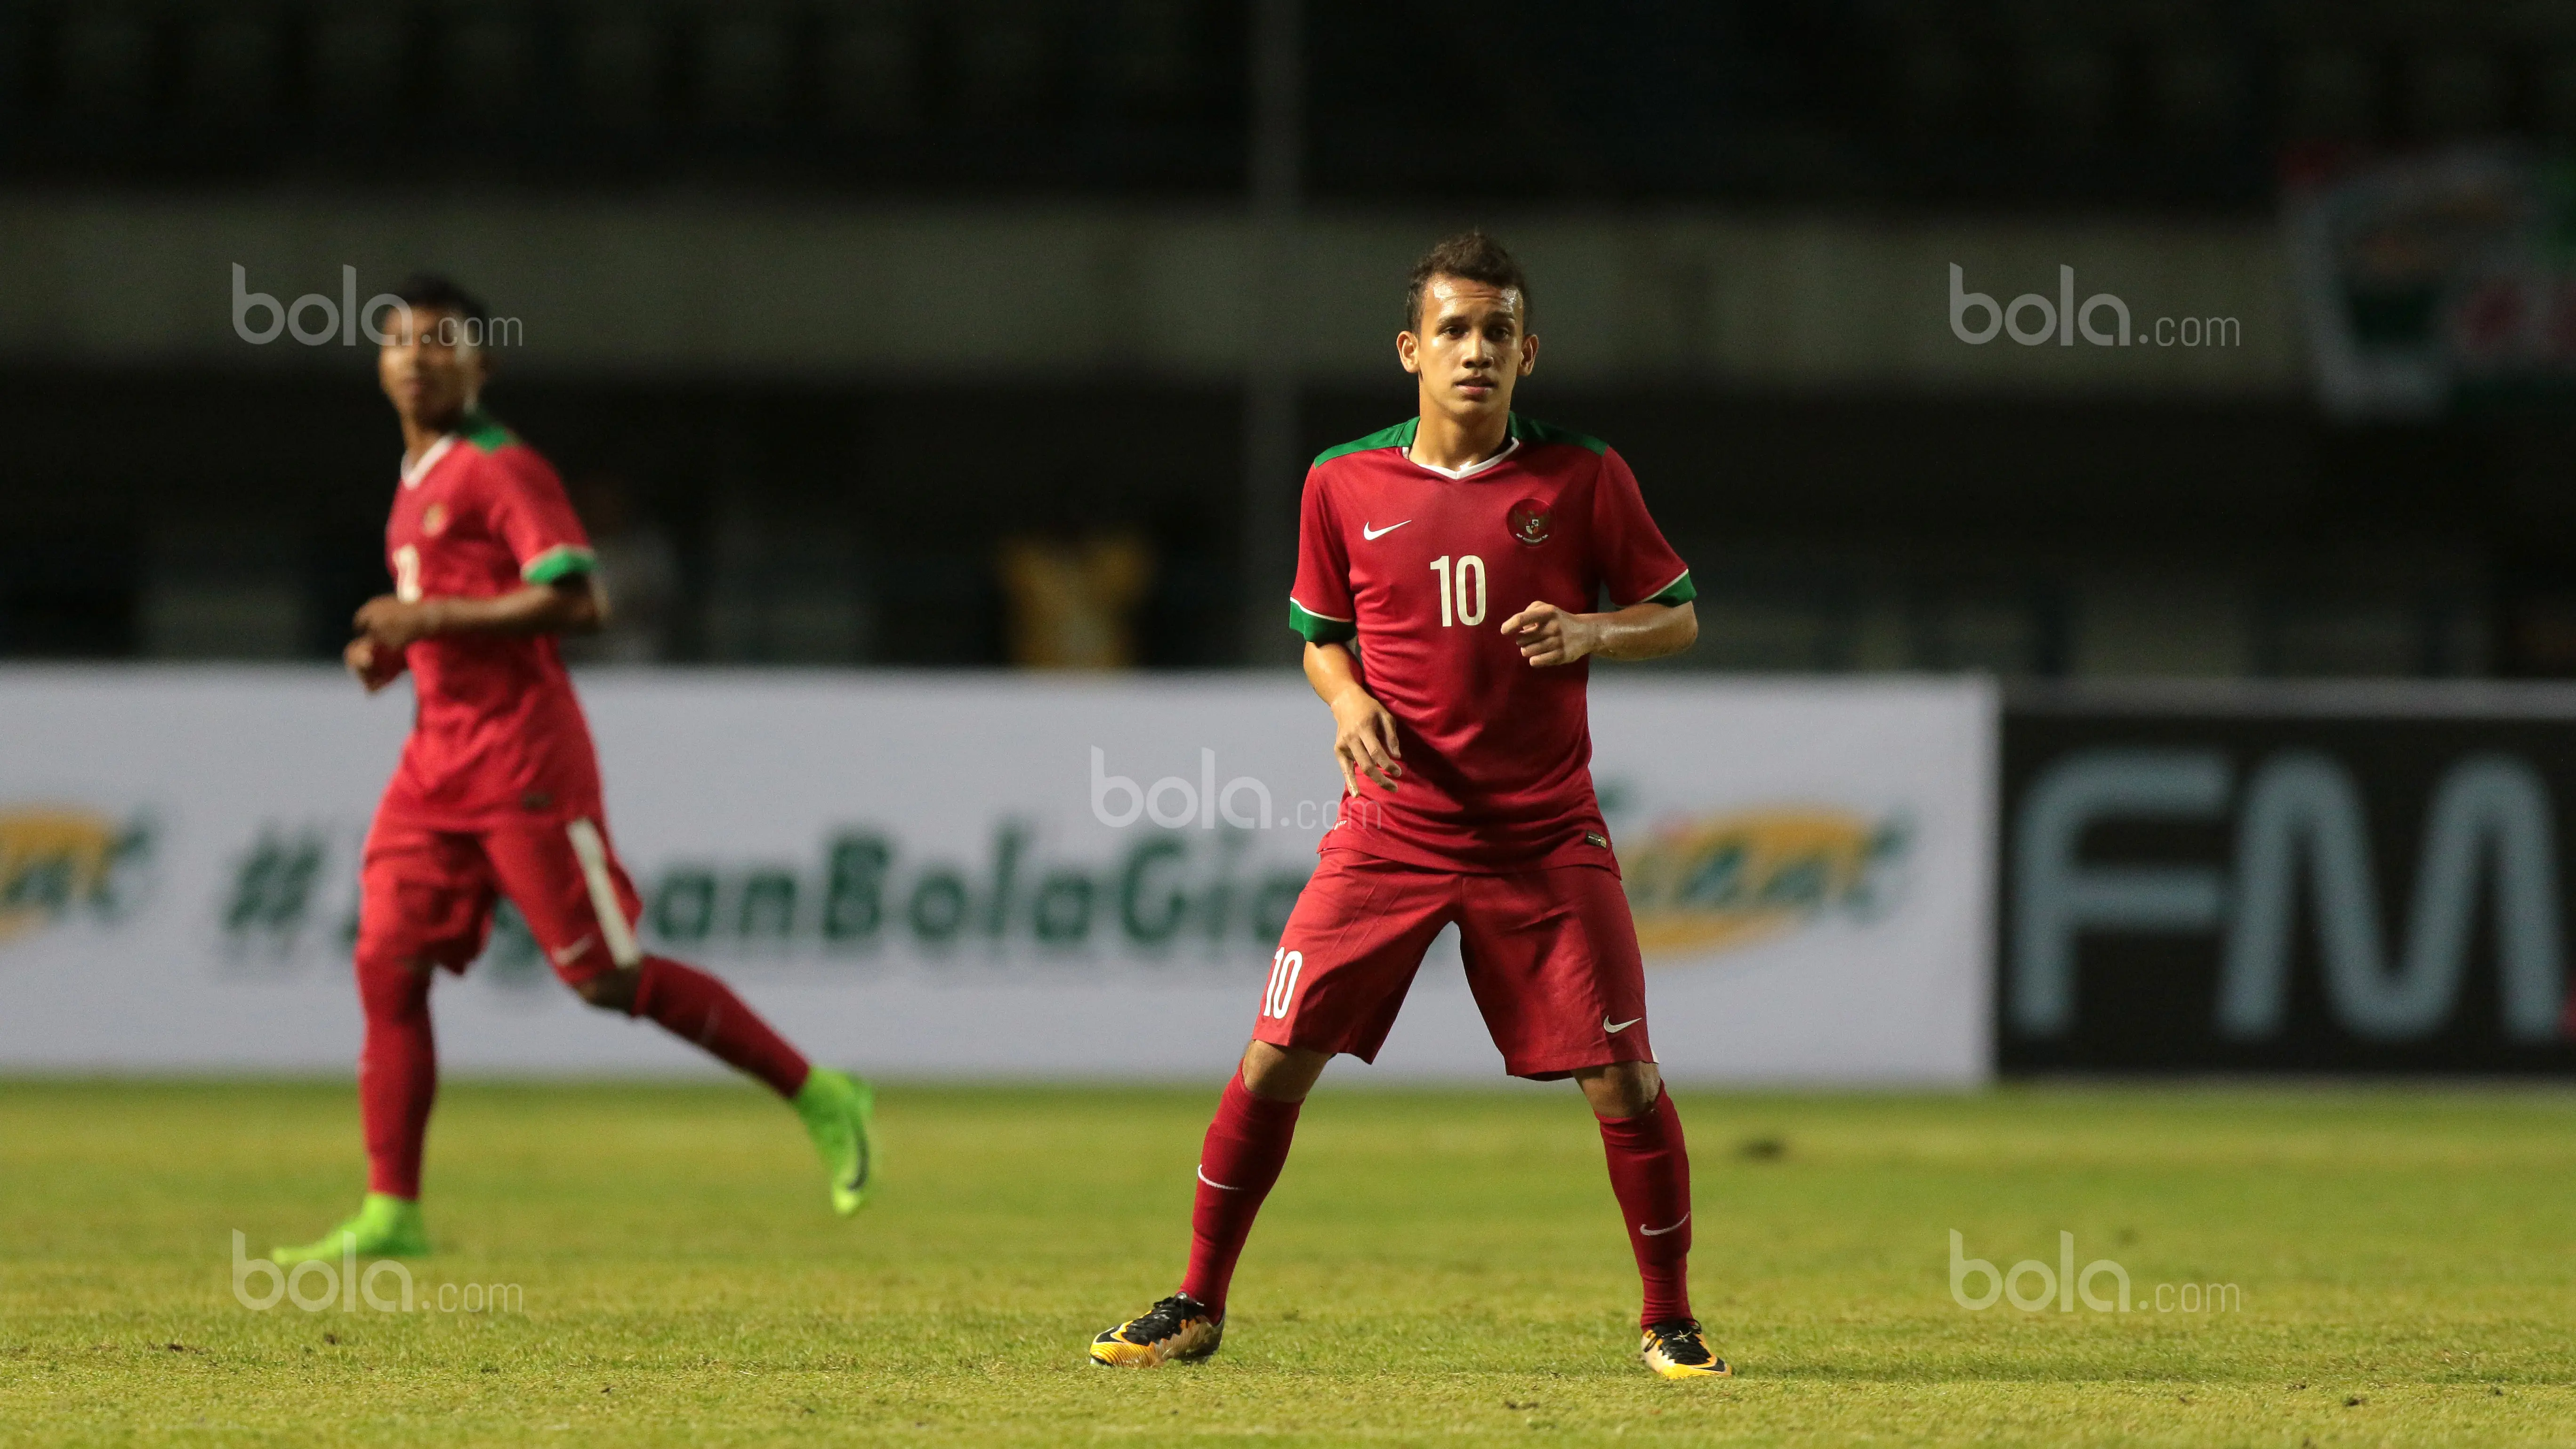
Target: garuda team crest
1530, 522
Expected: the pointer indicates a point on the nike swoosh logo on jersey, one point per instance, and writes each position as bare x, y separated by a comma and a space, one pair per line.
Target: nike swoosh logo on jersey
1374, 534
1614, 1030
1659, 1232
575, 951
1221, 1187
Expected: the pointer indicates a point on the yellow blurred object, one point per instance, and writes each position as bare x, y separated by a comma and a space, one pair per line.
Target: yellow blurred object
50, 859
1730, 880
1072, 603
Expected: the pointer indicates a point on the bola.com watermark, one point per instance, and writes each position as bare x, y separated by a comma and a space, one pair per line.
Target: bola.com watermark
386, 1286
345, 319
1175, 803
2062, 1287
2102, 319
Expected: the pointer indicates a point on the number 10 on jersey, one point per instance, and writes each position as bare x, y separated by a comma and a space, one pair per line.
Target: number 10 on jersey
1284, 966
1453, 585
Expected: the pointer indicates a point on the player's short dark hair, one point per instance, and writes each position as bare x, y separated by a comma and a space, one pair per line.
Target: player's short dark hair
434, 292
1470, 256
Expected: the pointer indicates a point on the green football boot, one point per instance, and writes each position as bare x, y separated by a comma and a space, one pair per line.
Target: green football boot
840, 1115
384, 1227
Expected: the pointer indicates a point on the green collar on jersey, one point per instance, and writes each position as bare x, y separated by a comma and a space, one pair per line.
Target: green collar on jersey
484, 431
1527, 430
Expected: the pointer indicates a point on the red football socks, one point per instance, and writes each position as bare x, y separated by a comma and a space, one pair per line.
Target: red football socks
697, 1007
1650, 1171
397, 1074
1246, 1146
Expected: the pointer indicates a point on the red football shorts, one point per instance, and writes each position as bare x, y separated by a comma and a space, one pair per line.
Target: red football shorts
427, 895
1551, 957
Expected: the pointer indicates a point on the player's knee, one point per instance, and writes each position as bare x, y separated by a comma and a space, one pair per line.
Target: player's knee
1622, 1089
613, 992
1281, 1074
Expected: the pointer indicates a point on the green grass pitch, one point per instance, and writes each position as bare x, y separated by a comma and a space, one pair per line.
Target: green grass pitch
1435, 1268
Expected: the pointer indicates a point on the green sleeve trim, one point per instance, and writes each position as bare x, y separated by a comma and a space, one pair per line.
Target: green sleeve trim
1531, 430
485, 431
1319, 629
1679, 591
559, 562
1399, 436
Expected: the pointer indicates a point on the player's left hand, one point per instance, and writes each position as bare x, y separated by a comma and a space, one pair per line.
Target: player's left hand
1549, 635
394, 623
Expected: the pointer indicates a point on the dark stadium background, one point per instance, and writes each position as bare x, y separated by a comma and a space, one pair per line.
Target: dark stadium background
1836, 523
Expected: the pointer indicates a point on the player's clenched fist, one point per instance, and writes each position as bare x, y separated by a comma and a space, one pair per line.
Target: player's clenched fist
1364, 740
1550, 635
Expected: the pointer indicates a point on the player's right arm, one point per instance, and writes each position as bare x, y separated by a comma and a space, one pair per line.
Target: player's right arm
1321, 611
1364, 740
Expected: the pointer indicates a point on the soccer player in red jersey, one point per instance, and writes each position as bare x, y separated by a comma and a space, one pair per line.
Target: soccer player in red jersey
498, 791
1460, 727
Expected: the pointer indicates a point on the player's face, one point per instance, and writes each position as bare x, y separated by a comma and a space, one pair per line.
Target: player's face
1469, 346
428, 369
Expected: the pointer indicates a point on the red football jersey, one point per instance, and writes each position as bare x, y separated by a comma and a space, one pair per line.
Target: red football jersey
1422, 568
496, 732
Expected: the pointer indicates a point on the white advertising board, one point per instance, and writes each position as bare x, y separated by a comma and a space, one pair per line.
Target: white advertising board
976, 875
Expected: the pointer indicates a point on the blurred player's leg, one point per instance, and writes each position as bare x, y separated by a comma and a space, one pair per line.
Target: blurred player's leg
397, 1072
397, 1082
838, 1109
582, 909
699, 1009
424, 897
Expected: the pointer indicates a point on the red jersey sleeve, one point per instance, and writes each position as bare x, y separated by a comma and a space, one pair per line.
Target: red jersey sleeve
1628, 550
1319, 607
531, 513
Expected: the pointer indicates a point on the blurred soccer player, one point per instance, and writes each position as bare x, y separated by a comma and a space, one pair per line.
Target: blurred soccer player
1464, 748
498, 791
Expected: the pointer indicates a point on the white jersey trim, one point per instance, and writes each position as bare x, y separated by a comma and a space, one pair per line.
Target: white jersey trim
1668, 583
413, 473
1332, 618
1470, 471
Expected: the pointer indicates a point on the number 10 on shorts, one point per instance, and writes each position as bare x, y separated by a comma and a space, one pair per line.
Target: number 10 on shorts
1284, 966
